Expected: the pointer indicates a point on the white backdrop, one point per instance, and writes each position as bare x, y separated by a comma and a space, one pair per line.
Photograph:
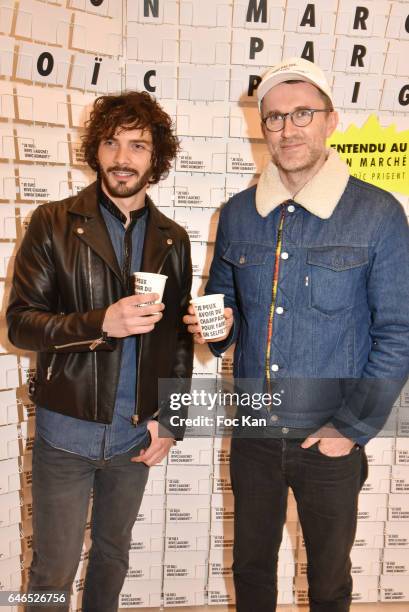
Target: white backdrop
202, 60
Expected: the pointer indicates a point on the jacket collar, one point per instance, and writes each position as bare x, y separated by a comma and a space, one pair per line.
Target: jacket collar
319, 196
158, 241
106, 202
86, 204
91, 229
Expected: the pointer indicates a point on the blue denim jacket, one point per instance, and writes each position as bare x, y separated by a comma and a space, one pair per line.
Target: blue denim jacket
343, 289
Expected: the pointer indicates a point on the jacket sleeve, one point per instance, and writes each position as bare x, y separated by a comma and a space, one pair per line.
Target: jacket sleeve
34, 315
182, 367
221, 280
183, 358
369, 400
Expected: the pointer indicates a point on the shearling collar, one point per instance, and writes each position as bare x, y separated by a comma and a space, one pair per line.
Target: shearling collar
319, 196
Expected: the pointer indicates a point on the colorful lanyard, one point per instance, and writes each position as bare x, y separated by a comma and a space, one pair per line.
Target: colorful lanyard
274, 292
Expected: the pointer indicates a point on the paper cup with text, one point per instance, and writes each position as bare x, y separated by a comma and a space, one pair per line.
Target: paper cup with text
209, 310
148, 282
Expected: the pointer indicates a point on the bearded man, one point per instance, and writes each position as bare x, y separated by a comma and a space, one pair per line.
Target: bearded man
100, 348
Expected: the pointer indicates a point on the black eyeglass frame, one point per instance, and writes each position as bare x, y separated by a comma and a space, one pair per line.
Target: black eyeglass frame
291, 115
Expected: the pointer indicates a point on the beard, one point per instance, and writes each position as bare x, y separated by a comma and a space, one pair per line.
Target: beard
305, 159
121, 189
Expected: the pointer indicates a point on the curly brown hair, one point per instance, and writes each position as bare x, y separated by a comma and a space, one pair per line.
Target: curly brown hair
131, 110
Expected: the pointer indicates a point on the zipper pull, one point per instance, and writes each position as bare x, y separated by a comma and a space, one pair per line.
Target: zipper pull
96, 343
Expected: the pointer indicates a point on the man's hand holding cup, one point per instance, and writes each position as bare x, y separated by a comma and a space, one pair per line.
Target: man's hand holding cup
132, 315
139, 313
208, 320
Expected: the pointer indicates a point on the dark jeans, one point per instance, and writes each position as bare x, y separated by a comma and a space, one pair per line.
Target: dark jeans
326, 490
62, 484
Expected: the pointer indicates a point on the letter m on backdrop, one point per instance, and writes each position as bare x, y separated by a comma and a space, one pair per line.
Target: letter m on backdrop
257, 9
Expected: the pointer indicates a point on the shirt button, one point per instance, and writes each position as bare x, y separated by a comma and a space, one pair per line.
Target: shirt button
273, 418
279, 310
275, 367
284, 255
80, 230
291, 208
285, 430
169, 241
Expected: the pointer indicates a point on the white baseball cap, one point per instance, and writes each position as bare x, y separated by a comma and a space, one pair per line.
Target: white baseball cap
295, 68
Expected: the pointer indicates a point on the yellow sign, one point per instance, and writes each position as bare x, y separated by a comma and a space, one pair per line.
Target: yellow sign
375, 154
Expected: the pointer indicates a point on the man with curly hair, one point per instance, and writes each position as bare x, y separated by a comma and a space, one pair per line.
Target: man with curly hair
100, 348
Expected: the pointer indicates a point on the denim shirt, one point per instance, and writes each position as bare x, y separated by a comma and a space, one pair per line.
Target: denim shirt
96, 440
343, 288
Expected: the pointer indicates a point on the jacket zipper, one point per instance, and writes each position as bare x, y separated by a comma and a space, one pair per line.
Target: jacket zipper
276, 274
96, 342
135, 420
93, 343
50, 367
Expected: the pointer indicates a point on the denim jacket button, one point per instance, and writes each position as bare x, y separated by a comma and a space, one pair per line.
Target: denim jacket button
285, 430
242, 259
275, 367
291, 208
284, 255
279, 310
273, 418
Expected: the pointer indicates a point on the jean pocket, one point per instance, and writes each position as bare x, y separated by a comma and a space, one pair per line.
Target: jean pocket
248, 260
315, 449
338, 277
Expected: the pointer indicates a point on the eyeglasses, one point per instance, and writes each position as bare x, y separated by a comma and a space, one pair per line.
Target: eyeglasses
302, 117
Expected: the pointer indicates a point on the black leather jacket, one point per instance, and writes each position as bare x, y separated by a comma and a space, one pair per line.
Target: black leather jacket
66, 275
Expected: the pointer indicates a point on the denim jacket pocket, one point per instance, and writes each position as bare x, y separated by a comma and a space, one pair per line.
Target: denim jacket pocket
248, 259
338, 277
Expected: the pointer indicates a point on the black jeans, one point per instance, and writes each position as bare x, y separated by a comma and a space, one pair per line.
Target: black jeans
326, 490
62, 484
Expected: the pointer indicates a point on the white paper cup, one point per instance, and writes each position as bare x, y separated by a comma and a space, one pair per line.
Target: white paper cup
209, 310
148, 282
